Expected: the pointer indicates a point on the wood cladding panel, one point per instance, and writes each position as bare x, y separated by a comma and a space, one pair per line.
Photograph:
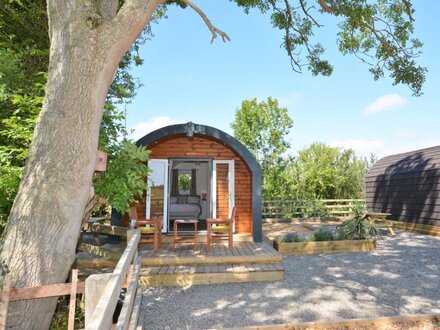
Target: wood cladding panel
204, 147
407, 186
222, 191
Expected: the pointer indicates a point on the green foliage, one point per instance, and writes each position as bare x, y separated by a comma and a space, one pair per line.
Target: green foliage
184, 182
319, 235
290, 238
263, 127
379, 33
317, 172
24, 60
358, 226
9, 180
324, 172
322, 235
125, 176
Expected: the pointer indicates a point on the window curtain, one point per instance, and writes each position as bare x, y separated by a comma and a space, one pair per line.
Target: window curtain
175, 183
193, 190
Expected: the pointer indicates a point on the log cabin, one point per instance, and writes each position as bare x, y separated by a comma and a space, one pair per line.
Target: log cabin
200, 172
406, 185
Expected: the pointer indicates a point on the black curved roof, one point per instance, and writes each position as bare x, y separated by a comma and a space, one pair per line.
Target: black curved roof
191, 129
406, 185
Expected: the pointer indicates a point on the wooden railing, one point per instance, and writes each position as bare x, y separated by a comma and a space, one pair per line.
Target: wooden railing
304, 209
102, 291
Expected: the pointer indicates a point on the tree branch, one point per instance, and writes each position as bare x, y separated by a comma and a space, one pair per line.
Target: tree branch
325, 7
306, 12
215, 31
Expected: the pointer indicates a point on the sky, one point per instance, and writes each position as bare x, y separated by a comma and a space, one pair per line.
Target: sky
185, 78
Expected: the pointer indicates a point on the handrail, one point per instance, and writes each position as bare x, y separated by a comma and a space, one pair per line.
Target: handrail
101, 317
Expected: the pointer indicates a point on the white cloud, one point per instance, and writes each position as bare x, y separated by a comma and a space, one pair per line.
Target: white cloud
361, 147
142, 128
385, 103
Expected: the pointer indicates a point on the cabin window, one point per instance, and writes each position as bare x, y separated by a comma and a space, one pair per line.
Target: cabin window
184, 183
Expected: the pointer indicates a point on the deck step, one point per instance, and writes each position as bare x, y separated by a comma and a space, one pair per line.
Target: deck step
185, 255
211, 260
209, 274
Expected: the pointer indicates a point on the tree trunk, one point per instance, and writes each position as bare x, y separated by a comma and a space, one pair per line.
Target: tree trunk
87, 44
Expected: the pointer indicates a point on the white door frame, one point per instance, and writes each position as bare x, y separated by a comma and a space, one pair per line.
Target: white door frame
231, 188
165, 194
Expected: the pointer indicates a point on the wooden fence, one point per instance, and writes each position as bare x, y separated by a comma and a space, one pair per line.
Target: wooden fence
101, 291
305, 209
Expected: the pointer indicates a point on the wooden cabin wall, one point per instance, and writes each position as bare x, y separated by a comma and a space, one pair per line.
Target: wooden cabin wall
222, 194
204, 147
407, 186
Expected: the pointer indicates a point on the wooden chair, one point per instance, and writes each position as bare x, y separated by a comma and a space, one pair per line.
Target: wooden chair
221, 229
151, 229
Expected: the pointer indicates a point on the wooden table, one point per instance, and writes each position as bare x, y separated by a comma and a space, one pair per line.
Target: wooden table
185, 238
381, 217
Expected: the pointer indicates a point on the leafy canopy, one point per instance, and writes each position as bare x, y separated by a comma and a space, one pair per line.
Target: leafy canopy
24, 61
325, 172
379, 33
263, 127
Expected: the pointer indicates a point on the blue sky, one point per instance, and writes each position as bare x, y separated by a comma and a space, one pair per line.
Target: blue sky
185, 78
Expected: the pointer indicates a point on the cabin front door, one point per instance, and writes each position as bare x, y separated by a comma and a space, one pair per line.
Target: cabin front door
223, 188
157, 190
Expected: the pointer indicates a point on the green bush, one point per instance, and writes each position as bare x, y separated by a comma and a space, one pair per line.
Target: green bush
358, 226
321, 235
290, 238
9, 182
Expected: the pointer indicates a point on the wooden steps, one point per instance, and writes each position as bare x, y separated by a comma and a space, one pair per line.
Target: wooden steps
187, 265
209, 274
246, 262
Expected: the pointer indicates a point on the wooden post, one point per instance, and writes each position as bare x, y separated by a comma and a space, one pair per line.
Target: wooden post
130, 234
95, 285
4, 303
72, 305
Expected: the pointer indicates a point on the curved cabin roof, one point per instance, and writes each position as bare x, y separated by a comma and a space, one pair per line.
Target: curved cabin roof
190, 129
407, 186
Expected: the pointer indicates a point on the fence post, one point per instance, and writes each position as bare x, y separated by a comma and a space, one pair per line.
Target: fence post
130, 234
94, 287
72, 304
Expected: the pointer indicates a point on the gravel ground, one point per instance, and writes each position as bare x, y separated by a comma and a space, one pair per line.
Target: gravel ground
402, 277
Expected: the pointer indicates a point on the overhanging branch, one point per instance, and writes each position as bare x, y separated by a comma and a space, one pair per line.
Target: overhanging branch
215, 31
325, 6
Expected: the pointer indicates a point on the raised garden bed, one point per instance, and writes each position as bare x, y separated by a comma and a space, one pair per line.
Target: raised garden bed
325, 246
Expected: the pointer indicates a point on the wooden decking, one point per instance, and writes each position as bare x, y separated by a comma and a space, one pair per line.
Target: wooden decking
243, 252
246, 262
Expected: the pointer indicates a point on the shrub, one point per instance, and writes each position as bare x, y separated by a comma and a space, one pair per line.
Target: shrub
358, 226
321, 235
289, 238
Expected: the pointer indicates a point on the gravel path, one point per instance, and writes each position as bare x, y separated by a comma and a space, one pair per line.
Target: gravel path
401, 277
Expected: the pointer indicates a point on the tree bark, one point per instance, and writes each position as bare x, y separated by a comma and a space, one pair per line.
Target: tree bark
44, 224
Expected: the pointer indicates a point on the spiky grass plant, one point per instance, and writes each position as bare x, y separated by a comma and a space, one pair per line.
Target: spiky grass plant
358, 226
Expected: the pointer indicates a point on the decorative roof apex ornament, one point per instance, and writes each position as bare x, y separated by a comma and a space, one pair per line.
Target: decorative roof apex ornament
191, 129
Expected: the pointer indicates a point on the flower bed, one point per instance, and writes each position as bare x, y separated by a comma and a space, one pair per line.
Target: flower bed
325, 246
322, 241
